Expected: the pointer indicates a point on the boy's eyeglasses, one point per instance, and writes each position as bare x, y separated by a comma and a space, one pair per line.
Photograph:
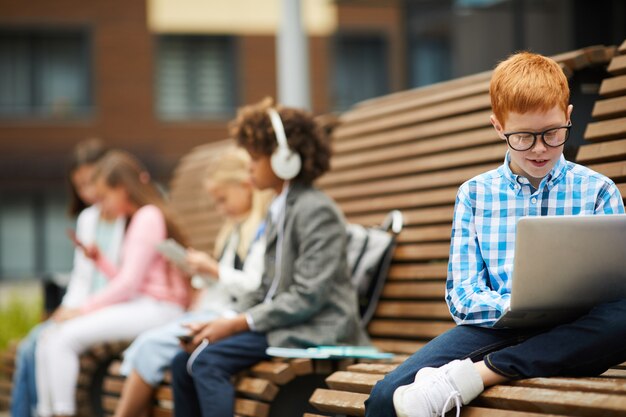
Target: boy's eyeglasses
523, 141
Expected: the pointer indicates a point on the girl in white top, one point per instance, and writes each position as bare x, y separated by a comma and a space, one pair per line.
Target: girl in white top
240, 247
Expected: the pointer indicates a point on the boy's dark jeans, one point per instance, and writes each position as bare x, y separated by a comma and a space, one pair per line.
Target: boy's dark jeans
587, 346
210, 392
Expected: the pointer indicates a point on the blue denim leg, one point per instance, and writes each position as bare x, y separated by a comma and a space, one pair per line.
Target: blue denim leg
152, 351
212, 371
458, 343
24, 391
587, 346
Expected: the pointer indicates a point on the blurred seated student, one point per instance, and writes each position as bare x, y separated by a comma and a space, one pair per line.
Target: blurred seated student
93, 226
145, 291
240, 248
305, 298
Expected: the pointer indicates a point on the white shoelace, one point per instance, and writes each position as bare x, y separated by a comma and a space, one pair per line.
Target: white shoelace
457, 401
440, 378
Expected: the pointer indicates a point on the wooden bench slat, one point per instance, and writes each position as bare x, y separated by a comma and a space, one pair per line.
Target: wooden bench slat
413, 182
553, 401
423, 251
606, 385
413, 103
614, 170
405, 347
277, 372
465, 123
609, 108
465, 157
618, 65
413, 309
251, 408
414, 329
425, 234
401, 201
414, 290
257, 388
611, 87
420, 115
348, 403
353, 381
607, 129
417, 147
431, 215
437, 270
597, 152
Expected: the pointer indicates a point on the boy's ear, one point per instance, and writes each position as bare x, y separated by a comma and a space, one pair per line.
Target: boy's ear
497, 126
570, 108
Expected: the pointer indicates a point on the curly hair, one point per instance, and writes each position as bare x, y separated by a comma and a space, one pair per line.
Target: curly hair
252, 129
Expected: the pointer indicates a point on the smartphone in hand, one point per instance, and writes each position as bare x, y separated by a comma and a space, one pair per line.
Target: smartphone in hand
185, 338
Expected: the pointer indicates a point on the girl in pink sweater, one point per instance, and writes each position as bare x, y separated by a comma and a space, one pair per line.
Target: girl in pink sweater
144, 291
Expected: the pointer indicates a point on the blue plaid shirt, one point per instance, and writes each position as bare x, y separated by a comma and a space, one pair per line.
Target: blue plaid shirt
478, 288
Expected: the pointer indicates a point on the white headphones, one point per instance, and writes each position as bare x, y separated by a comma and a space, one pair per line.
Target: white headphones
285, 163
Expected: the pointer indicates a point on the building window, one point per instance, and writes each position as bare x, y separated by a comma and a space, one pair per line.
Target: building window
196, 77
33, 241
44, 74
360, 69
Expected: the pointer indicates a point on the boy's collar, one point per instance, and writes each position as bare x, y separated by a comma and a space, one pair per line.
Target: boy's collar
516, 181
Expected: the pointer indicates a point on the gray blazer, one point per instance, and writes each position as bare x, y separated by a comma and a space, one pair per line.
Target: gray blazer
315, 303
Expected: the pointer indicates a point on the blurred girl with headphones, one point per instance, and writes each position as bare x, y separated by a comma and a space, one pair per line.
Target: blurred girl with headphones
305, 297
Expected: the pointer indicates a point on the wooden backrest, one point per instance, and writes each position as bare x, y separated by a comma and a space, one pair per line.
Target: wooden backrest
191, 203
607, 151
411, 151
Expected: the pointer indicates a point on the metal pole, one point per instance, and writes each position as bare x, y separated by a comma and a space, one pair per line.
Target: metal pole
292, 57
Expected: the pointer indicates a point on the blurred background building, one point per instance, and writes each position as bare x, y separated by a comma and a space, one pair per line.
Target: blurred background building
159, 77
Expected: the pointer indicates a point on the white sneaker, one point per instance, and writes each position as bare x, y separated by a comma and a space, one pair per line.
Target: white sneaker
436, 390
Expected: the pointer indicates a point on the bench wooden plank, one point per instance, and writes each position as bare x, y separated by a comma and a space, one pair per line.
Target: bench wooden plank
611, 87
409, 183
425, 234
251, 408
348, 403
257, 388
420, 115
414, 329
460, 158
553, 401
465, 123
607, 129
414, 103
602, 151
413, 309
440, 214
401, 201
614, 170
353, 381
415, 290
610, 107
434, 270
407, 347
618, 65
423, 251
278, 372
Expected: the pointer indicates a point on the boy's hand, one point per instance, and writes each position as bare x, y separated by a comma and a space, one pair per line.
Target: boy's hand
215, 330
201, 263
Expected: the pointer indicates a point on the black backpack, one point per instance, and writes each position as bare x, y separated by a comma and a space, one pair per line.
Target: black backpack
369, 252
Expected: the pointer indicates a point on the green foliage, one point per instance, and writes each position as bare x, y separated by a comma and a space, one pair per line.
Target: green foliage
17, 316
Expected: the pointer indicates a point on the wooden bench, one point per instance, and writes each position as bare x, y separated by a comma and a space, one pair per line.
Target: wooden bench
411, 151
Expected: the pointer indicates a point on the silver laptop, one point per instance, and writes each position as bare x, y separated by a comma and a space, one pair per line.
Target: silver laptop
563, 266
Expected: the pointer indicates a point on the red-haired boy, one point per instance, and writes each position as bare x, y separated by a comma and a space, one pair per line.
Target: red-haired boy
531, 111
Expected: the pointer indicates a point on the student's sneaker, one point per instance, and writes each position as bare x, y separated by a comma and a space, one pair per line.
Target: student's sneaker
436, 390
